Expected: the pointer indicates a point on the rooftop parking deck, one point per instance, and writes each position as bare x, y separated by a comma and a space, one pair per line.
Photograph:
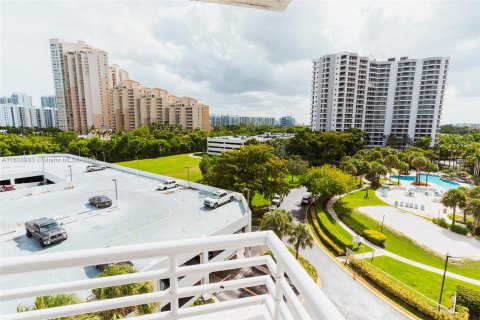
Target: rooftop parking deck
142, 214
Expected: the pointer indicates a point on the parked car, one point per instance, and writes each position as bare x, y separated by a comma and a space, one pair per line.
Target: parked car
100, 201
102, 266
7, 187
46, 230
272, 207
218, 198
164, 185
95, 167
307, 199
277, 200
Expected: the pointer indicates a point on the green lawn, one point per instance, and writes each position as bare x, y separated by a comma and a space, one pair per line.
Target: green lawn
336, 232
396, 242
172, 166
425, 282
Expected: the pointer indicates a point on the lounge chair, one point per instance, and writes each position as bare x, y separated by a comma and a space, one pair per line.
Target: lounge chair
401, 203
422, 207
416, 206
396, 203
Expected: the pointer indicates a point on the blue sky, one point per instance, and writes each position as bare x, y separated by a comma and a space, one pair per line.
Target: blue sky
239, 60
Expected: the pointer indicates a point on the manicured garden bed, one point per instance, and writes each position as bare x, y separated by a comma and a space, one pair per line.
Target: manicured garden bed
396, 242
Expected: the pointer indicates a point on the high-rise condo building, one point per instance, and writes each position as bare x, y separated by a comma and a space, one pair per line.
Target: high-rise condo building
48, 101
387, 99
81, 75
287, 121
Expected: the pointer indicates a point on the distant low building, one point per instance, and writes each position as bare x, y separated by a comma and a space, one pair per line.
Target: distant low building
223, 120
217, 145
287, 121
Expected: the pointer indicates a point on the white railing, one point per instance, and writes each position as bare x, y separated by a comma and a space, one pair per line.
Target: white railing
280, 301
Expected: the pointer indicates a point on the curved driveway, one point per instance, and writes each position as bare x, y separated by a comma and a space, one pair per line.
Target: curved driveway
350, 297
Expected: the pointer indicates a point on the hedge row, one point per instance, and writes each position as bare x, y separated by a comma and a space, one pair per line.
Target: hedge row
441, 222
307, 266
469, 298
323, 237
405, 295
375, 237
337, 238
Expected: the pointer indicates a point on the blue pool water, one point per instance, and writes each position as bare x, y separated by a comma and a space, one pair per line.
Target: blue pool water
431, 179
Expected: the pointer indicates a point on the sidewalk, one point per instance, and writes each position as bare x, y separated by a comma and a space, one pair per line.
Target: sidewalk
382, 252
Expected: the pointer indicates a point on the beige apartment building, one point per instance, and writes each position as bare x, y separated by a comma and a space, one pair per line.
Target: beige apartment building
134, 105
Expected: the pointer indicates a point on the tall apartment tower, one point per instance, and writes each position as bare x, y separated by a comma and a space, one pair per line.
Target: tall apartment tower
384, 98
80, 74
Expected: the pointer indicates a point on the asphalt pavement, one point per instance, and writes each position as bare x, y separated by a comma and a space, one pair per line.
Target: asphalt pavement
351, 298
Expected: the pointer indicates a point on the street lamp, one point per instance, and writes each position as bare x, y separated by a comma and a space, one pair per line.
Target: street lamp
447, 256
103, 156
381, 228
138, 165
70, 167
116, 193
188, 176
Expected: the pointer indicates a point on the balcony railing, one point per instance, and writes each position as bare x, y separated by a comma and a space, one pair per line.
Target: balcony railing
280, 301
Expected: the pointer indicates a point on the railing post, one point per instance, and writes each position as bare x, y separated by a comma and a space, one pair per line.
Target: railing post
204, 259
173, 285
279, 275
248, 229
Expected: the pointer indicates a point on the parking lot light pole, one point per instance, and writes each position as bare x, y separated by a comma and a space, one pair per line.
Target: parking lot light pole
116, 193
188, 176
381, 228
138, 165
447, 256
103, 156
70, 167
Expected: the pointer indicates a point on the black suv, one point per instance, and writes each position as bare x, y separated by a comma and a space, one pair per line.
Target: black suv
100, 201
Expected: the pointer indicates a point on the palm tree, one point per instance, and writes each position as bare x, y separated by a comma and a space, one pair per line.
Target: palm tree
471, 195
418, 163
278, 221
453, 198
402, 167
473, 208
429, 168
390, 162
58, 300
300, 237
122, 291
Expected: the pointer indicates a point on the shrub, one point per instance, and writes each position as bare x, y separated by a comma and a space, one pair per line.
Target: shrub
200, 301
459, 229
469, 298
375, 237
404, 294
323, 237
441, 222
307, 266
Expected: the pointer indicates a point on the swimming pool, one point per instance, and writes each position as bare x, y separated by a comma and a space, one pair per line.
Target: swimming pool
431, 179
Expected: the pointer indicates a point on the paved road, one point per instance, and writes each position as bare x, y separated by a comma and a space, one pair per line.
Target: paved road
351, 298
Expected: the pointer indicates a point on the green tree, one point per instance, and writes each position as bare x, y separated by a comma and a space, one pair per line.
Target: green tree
401, 167
376, 171
278, 221
300, 237
296, 166
419, 163
327, 181
423, 142
254, 167
122, 291
429, 168
453, 198
390, 162
472, 196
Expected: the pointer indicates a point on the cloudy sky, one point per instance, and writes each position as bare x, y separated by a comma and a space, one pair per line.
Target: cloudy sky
239, 60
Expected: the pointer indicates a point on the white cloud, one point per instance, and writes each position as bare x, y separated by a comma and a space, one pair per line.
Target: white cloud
240, 60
